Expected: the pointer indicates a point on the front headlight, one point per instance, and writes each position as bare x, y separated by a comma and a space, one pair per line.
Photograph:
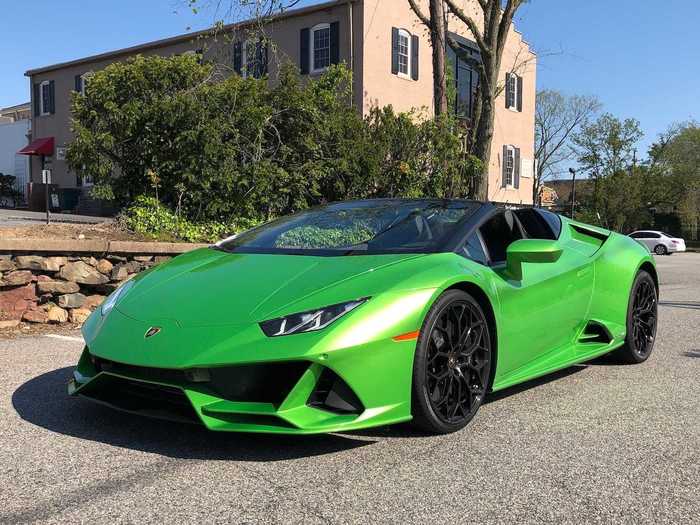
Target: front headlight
308, 321
114, 298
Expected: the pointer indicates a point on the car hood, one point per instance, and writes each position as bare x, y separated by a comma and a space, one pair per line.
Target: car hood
209, 287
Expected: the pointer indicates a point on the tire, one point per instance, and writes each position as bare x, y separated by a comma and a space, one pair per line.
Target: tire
642, 317
452, 364
660, 249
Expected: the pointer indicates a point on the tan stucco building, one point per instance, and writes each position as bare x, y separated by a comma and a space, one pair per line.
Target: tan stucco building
382, 41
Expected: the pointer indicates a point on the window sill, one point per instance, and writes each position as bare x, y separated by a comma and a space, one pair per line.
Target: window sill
318, 72
404, 77
514, 110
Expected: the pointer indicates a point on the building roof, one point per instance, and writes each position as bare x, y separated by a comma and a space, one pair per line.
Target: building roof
181, 38
563, 188
17, 107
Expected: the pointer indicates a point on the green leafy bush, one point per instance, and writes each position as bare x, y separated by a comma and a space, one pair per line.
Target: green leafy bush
150, 218
215, 149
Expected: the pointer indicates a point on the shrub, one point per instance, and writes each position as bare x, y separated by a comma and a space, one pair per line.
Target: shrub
224, 151
150, 218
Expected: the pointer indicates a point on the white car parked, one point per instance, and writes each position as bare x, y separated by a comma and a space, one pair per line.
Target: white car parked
659, 242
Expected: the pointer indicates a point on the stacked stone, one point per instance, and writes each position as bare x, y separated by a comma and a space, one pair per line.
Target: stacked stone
51, 289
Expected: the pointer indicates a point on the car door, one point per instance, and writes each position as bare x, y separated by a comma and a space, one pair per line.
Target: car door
650, 239
542, 313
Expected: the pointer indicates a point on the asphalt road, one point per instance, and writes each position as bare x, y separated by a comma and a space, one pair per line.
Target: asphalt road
598, 443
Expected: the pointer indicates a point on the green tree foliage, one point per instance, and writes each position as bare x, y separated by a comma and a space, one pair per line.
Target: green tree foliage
675, 157
606, 151
217, 148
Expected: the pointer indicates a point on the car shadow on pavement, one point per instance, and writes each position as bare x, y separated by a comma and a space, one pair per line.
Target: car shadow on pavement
690, 305
407, 431
43, 401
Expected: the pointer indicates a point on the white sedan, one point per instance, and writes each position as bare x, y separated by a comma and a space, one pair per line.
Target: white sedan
659, 242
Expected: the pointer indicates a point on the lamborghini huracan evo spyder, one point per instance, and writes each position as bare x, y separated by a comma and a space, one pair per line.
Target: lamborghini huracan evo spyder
367, 313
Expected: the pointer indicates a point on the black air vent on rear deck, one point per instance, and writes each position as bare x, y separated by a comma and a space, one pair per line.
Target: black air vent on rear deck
595, 333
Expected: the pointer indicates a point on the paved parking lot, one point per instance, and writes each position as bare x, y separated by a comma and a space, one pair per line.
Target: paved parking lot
594, 443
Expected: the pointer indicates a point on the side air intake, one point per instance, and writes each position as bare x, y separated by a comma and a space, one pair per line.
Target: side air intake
595, 333
334, 395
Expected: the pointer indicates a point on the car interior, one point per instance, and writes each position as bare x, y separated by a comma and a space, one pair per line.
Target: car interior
506, 227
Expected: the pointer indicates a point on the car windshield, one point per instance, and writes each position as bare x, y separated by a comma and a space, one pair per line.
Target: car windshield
359, 227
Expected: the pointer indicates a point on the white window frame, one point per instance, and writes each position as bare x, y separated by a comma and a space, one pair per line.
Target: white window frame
512, 78
244, 57
42, 110
312, 49
405, 34
509, 181
84, 78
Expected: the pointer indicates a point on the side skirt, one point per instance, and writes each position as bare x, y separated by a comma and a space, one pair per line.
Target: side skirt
579, 352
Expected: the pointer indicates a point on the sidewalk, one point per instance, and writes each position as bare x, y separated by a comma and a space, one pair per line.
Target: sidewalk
23, 218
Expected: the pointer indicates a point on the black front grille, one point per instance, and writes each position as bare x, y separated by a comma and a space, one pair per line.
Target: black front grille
161, 375
145, 398
262, 382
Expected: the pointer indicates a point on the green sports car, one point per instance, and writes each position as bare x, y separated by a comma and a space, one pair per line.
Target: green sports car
367, 313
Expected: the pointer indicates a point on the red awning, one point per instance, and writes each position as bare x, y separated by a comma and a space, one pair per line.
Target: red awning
39, 147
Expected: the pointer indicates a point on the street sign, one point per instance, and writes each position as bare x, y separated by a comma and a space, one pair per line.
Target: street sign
46, 176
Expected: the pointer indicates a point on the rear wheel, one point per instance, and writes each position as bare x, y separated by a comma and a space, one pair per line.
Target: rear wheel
641, 320
660, 249
452, 365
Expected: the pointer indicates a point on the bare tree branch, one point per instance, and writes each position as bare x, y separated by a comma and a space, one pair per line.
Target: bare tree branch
421, 16
471, 24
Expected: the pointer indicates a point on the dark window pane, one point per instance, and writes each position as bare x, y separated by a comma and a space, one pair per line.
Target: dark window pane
536, 227
474, 250
322, 48
385, 226
498, 233
553, 220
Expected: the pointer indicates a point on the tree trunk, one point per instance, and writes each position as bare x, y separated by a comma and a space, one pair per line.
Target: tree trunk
482, 144
437, 37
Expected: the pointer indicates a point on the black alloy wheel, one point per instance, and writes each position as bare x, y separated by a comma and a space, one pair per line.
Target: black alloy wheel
453, 364
642, 316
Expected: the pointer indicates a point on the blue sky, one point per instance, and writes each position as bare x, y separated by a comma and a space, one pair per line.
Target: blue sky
639, 60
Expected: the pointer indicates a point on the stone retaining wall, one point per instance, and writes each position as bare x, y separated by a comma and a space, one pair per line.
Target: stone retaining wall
58, 288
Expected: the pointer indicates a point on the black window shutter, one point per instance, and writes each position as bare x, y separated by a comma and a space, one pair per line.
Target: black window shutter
394, 51
52, 97
264, 60
260, 60
508, 95
304, 51
238, 57
37, 100
335, 43
504, 165
520, 94
415, 43
78, 83
516, 168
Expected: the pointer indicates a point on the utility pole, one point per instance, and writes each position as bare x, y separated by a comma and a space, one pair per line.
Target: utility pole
573, 191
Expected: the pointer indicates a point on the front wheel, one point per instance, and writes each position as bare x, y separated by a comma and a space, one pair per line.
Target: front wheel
452, 364
642, 314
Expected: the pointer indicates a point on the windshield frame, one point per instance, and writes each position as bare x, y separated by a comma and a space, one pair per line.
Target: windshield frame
443, 245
